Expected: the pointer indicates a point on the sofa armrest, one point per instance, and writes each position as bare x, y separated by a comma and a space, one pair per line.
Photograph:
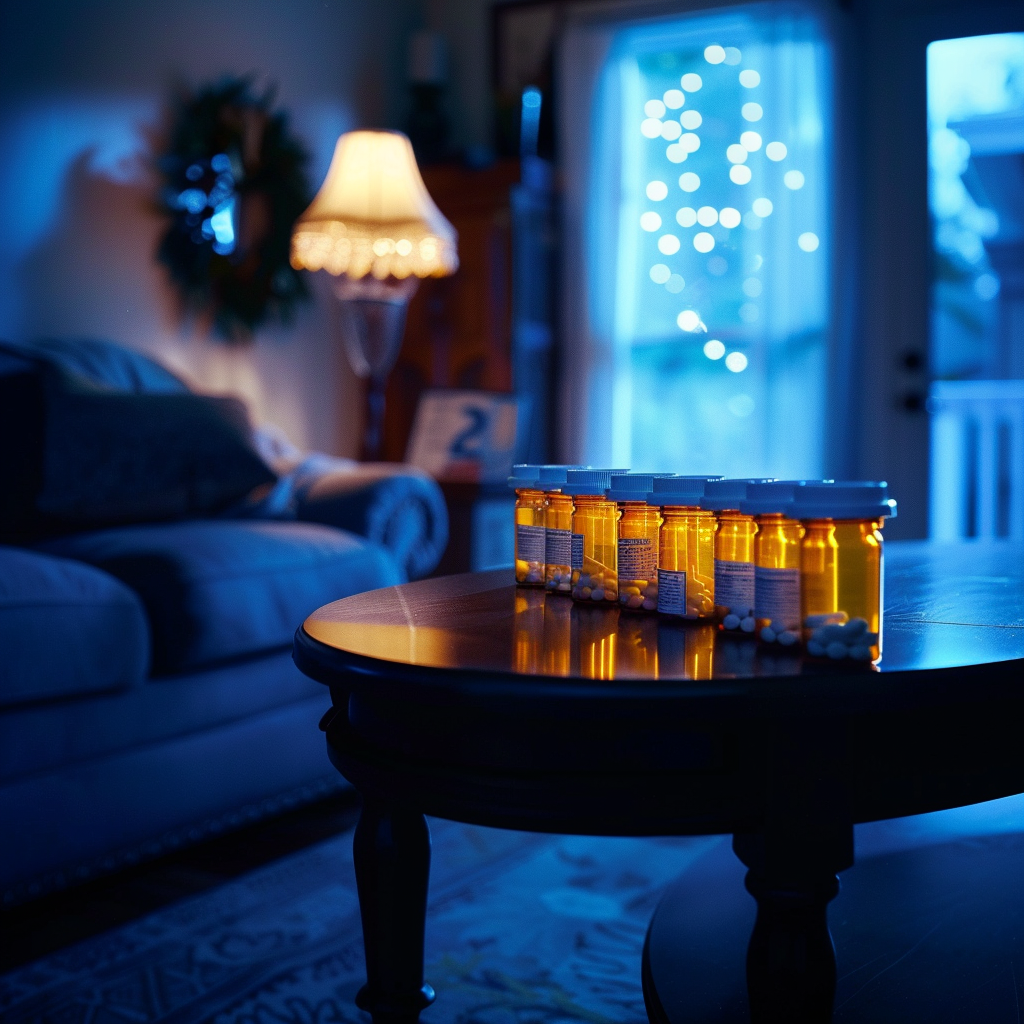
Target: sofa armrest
393, 504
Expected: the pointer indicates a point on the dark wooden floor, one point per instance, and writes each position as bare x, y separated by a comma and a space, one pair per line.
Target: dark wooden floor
61, 919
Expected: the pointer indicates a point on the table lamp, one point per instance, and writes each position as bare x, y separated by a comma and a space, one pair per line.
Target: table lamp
375, 228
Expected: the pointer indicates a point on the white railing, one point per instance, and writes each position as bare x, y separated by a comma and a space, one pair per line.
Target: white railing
977, 459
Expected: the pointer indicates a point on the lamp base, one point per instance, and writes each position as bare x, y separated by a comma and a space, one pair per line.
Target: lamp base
373, 321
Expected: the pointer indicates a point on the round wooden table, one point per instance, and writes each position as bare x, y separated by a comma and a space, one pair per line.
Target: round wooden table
466, 698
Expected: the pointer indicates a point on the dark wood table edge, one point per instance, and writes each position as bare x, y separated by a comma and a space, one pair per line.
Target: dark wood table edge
818, 690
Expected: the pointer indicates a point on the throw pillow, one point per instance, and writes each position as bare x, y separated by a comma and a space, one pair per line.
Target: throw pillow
108, 457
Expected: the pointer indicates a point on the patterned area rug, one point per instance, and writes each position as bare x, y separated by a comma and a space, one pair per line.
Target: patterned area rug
522, 929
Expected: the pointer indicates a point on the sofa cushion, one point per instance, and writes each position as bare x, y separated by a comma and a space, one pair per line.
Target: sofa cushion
219, 589
22, 419
66, 630
43, 736
88, 449
110, 365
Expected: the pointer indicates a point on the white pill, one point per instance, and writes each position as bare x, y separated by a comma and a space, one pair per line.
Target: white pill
564, 587
768, 635
597, 594
650, 604
635, 601
860, 653
787, 638
815, 649
855, 627
731, 621
830, 634
826, 619
836, 650
747, 624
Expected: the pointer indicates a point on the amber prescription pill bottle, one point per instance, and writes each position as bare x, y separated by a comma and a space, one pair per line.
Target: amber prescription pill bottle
637, 540
686, 549
530, 538
776, 561
557, 528
841, 567
594, 536
734, 553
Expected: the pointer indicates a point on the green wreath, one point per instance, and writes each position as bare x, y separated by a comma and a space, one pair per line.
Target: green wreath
234, 183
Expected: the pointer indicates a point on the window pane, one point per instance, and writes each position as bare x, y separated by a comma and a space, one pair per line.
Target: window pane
976, 198
714, 139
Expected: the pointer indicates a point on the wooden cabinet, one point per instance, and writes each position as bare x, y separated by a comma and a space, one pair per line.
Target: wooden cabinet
458, 331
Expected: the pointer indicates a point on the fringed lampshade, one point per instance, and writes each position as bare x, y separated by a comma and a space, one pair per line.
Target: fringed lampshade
373, 215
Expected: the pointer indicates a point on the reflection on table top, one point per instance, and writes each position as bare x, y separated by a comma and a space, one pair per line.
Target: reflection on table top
945, 606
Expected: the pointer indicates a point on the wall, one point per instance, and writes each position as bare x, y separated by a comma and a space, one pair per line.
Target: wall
82, 88
466, 26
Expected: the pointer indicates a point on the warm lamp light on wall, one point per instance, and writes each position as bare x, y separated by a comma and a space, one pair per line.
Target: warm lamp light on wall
375, 228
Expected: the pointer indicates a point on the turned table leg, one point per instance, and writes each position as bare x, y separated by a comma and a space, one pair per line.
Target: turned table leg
791, 961
392, 861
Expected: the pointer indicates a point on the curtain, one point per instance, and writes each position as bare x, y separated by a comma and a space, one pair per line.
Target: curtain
696, 153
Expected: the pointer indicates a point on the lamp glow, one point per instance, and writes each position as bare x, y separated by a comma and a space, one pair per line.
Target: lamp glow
374, 216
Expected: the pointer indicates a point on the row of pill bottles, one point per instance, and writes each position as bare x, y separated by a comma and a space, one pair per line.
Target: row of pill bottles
529, 516
841, 567
734, 553
638, 539
686, 550
594, 540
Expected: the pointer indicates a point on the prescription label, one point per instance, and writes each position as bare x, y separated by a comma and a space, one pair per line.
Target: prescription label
636, 558
734, 584
671, 592
530, 543
777, 596
558, 547
577, 552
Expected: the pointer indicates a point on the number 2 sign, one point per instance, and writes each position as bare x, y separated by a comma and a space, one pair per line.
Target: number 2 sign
465, 435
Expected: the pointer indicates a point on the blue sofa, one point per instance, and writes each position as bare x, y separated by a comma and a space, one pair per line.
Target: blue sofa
147, 692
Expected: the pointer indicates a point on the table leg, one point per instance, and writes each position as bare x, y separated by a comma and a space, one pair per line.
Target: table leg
392, 860
791, 962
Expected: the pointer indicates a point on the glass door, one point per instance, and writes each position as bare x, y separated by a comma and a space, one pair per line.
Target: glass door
975, 95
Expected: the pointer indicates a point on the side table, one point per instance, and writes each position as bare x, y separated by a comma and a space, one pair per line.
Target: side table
466, 698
